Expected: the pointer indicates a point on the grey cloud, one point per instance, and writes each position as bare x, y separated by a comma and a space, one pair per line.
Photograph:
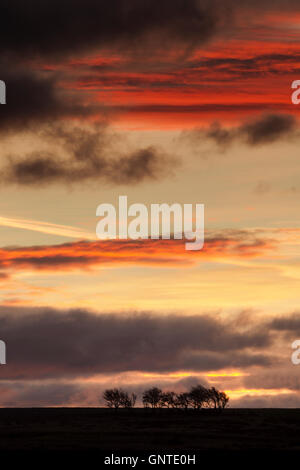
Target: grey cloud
268, 128
30, 394
50, 343
286, 376
84, 155
287, 323
265, 129
286, 400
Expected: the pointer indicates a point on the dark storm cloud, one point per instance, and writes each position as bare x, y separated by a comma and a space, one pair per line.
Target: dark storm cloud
84, 155
49, 343
265, 129
34, 98
48, 30
63, 27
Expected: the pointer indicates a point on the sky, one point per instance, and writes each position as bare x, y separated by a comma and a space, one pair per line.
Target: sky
182, 101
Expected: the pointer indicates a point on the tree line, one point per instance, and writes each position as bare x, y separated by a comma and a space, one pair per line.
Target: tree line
198, 397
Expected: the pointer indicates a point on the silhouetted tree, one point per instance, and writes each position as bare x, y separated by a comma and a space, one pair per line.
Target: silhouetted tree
199, 397
127, 401
118, 398
212, 398
219, 399
168, 399
112, 398
183, 400
152, 397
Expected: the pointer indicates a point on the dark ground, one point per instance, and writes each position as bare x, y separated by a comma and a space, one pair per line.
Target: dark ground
87, 431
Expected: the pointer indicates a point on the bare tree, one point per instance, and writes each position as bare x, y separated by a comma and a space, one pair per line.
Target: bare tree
112, 398
219, 399
213, 395
118, 398
223, 400
183, 400
127, 401
152, 397
168, 399
199, 397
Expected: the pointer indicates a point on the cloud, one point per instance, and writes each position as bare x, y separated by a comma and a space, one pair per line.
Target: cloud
4, 276
286, 377
265, 129
43, 168
60, 28
81, 392
46, 227
282, 400
38, 92
63, 27
287, 324
45, 343
88, 254
68, 357
83, 154
205, 108
19, 393
35, 97
26, 394
262, 187
193, 73
268, 128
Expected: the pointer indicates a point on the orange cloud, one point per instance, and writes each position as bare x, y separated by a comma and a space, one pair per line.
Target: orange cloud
87, 254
